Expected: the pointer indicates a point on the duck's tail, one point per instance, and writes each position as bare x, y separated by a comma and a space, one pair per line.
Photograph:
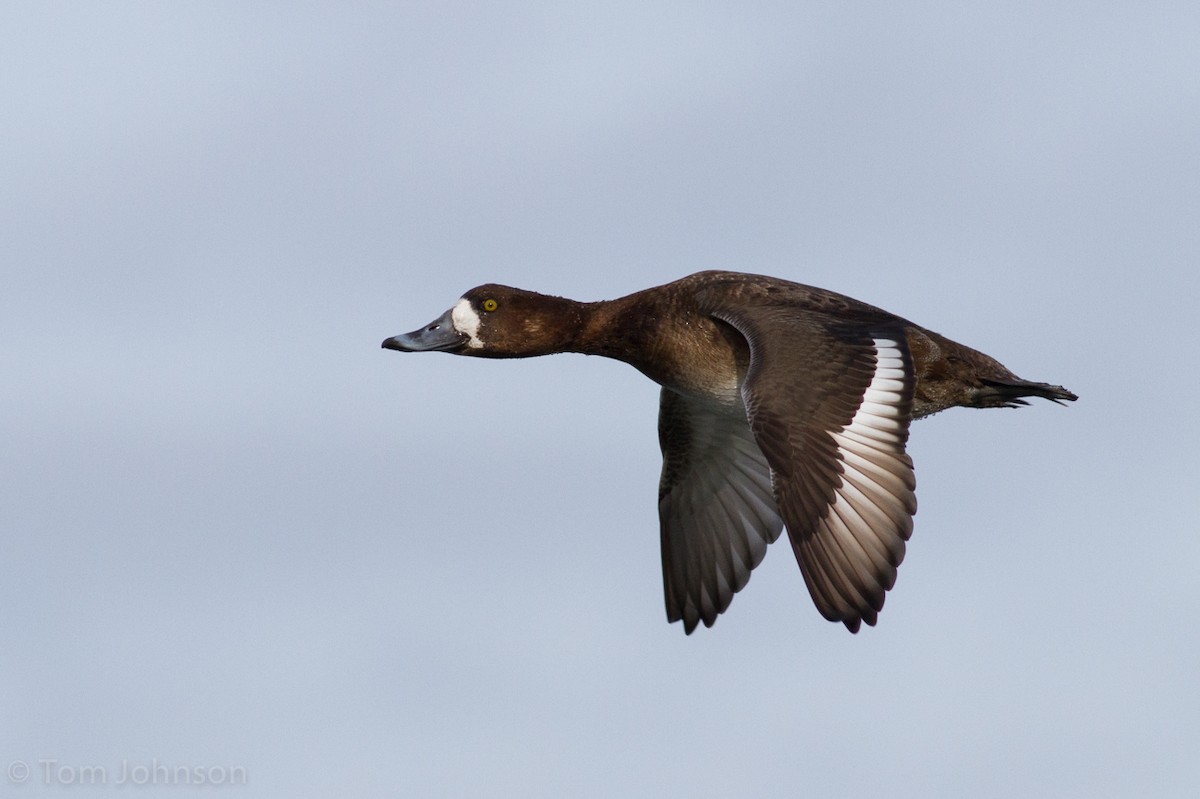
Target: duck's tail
1005, 393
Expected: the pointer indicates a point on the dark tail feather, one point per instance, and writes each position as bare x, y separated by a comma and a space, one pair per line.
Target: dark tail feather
1008, 393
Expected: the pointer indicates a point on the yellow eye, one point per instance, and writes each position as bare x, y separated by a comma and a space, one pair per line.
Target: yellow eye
489, 304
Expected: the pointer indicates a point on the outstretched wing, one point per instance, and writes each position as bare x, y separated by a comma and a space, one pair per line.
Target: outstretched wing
830, 404
716, 509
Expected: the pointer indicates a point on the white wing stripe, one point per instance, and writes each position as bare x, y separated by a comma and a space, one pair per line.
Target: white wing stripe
866, 542
871, 513
883, 440
888, 502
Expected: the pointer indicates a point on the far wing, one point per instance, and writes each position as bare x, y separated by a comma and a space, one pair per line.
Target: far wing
716, 509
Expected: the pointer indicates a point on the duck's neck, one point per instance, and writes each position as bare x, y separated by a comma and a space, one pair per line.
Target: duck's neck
552, 325
610, 328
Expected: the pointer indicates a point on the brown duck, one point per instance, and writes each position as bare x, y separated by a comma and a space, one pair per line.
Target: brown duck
781, 405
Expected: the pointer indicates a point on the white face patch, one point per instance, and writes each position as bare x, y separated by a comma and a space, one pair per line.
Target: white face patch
466, 321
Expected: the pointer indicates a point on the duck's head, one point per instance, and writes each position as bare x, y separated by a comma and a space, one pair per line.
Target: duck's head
493, 321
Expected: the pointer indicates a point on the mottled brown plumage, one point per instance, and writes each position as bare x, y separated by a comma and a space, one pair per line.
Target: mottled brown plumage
782, 404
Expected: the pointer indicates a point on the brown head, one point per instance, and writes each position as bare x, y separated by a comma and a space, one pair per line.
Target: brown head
493, 321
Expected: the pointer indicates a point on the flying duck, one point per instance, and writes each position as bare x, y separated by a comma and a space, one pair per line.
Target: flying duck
781, 405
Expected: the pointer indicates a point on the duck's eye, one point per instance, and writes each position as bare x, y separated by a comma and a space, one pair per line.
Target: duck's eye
490, 305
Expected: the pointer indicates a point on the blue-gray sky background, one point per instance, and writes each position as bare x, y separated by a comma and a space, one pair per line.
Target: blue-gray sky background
236, 532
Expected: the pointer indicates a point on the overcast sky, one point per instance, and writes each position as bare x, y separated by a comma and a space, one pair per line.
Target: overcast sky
238, 534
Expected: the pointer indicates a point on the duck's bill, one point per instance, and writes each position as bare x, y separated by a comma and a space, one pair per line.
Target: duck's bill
437, 335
